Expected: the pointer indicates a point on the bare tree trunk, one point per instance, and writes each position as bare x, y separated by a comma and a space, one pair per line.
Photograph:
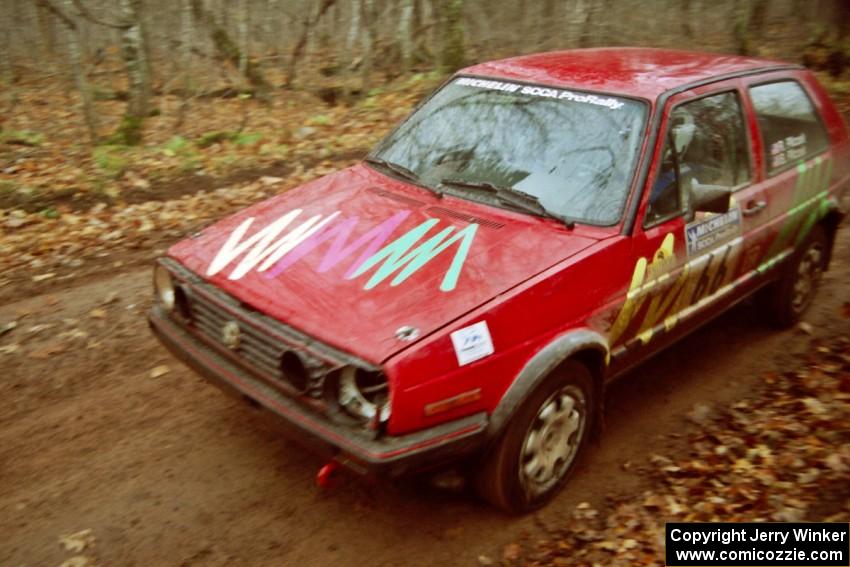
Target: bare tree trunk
740, 30
758, 14
417, 23
186, 36
549, 26
687, 26
147, 45
588, 29
838, 54
135, 53
309, 23
7, 74
520, 19
76, 61
405, 34
243, 37
228, 50
354, 27
45, 28
452, 50
368, 18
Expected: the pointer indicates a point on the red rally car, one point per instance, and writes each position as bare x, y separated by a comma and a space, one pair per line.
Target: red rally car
535, 228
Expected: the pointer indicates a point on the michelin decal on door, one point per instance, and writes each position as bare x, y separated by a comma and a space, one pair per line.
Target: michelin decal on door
712, 231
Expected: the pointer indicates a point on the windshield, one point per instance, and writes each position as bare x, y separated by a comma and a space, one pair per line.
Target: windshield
575, 152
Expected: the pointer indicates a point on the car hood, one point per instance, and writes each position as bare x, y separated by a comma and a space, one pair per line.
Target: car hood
352, 258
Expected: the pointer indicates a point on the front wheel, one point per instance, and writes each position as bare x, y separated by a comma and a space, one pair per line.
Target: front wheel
785, 301
542, 443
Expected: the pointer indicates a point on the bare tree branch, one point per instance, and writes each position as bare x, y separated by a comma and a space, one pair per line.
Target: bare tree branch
308, 25
84, 12
63, 17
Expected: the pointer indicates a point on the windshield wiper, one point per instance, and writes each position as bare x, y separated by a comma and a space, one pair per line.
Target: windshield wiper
512, 197
396, 168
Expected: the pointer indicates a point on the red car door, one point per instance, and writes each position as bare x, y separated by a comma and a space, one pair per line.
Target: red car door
688, 263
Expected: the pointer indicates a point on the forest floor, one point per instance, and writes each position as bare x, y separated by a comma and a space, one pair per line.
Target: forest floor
113, 453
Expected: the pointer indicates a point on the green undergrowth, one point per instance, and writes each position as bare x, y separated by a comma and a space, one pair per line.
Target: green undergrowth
22, 137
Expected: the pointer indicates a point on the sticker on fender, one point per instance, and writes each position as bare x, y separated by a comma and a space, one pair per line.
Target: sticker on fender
472, 343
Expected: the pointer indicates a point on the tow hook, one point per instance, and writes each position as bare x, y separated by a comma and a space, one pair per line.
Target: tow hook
327, 475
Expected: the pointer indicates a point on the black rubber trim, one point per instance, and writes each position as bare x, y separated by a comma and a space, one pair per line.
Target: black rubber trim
538, 368
386, 456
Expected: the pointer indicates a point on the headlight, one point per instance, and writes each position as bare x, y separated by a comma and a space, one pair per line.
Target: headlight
364, 394
164, 286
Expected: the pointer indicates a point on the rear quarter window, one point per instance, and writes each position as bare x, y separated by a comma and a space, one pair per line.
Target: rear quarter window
789, 124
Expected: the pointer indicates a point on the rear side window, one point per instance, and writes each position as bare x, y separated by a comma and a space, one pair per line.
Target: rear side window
789, 124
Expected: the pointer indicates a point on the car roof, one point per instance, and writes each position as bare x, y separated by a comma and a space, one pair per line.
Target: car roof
635, 71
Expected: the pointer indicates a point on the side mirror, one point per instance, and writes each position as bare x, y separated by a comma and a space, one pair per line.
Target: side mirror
710, 198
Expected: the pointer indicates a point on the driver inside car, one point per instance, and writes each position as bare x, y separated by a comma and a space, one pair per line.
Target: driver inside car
665, 198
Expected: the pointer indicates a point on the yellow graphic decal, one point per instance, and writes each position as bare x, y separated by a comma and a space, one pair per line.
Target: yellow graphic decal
699, 280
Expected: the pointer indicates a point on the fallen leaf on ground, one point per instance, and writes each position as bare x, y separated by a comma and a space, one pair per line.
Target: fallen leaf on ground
77, 561
35, 329
74, 334
42, 277
815, 406
160, 370
269, 180
700, 414
778, 454
9, 349
98, 313
48, 351
77, 542
836, 463
8, 327
511, 552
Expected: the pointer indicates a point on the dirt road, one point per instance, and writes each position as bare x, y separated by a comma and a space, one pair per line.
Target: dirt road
168, 471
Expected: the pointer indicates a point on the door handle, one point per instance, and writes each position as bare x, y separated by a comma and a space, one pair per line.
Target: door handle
754, 207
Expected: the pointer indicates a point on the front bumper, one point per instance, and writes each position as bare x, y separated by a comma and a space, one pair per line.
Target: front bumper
390, 456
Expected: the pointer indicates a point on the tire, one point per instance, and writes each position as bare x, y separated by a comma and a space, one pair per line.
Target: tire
784, 302
546, 428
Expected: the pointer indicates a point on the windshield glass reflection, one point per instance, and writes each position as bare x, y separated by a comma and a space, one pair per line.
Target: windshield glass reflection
574, 151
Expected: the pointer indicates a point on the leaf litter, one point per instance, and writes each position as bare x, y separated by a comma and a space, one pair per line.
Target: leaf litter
783, 455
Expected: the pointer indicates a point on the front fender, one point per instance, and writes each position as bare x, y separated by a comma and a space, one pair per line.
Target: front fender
539, 367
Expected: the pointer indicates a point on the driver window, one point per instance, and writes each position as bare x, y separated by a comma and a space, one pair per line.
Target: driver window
705, 144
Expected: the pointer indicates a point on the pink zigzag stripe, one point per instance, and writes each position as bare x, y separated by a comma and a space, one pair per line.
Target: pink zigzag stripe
338, 250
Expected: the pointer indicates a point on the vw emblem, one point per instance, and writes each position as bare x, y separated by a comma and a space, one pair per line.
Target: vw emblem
231, 335
407, 333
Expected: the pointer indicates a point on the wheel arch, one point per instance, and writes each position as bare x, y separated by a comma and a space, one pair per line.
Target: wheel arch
584, 345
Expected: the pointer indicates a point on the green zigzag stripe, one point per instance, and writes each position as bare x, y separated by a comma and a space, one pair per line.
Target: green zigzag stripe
812, 187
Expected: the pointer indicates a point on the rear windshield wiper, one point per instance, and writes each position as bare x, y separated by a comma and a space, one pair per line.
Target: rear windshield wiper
396, 168
512, 197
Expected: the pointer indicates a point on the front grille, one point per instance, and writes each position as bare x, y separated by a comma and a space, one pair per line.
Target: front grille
265, 346
257, 349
